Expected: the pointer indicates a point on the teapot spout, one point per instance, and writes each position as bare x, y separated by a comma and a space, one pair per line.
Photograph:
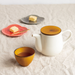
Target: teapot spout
38, 43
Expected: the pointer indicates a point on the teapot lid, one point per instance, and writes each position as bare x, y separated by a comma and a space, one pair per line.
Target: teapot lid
50, 30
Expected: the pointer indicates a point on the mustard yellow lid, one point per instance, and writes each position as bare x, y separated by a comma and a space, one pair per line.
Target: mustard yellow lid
50, 30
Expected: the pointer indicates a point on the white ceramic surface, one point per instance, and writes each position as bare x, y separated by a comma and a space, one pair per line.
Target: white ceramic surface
50, 45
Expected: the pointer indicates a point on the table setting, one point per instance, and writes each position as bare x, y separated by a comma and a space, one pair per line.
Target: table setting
37, 39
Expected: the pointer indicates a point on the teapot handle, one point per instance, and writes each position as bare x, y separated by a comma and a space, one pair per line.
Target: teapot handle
69, 35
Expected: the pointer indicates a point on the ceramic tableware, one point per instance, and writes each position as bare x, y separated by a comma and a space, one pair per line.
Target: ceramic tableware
26, 20
9, 33
24, 55
50, 41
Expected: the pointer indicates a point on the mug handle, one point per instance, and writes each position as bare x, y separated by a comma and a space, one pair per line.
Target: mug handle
69, 35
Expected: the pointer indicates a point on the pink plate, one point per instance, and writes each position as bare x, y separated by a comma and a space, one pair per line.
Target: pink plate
9, 33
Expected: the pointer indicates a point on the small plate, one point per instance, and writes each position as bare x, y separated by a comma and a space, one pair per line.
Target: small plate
26, 20
9, 33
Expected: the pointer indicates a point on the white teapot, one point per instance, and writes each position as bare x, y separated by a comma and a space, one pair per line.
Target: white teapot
50, 41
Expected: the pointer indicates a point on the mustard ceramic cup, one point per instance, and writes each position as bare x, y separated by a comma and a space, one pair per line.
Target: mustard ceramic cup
24, 55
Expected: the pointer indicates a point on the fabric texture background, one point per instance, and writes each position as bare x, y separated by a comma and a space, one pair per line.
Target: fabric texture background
62, 15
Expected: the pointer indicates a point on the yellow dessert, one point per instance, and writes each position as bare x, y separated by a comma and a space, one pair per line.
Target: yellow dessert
14, 29
32, 18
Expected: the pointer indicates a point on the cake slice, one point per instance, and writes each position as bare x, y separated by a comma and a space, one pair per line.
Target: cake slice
32, 18
14, 29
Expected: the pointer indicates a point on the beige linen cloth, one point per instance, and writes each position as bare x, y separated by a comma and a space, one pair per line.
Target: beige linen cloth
59, 15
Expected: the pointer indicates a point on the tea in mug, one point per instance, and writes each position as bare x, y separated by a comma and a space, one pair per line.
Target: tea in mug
24, 54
